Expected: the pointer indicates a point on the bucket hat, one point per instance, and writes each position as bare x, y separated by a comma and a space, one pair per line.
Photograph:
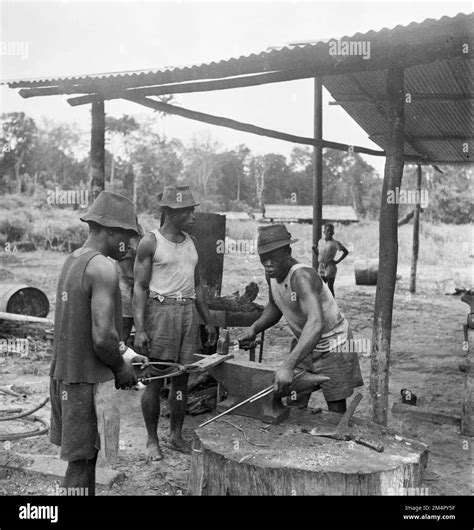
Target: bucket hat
113, 211
272, 237
177, 197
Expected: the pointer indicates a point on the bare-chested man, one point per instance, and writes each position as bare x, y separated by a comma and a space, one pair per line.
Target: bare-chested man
327, 250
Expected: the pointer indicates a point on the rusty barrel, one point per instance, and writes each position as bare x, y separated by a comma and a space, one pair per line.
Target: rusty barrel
23, 300
366, 271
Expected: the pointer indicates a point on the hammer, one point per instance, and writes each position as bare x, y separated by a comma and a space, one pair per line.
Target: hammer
343, 431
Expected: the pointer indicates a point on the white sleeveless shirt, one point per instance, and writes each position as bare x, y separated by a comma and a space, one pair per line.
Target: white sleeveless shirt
173, 265
336, 326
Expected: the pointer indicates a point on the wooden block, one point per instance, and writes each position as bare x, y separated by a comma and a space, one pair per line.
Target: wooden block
426, 414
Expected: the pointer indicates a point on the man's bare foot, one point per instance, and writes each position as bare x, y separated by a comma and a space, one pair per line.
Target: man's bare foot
178, 444
152, 451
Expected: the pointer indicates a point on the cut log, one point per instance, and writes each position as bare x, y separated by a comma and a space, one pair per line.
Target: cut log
237, 456
24, 326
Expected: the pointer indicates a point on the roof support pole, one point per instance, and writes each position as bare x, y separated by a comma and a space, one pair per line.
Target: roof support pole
317, 168
416, 231
388, 247
97, 173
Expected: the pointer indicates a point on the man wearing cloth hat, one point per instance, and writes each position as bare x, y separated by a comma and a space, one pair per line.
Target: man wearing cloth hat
167, 296
87, 353
321, 331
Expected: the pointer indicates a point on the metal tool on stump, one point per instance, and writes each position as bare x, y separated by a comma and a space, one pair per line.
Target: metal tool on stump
344, 432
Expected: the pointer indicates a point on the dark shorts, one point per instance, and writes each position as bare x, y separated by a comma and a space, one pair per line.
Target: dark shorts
172, 327
341, 365
84, 419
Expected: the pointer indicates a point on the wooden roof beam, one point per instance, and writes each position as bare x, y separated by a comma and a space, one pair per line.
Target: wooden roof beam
157, 90
247, 127
416, 97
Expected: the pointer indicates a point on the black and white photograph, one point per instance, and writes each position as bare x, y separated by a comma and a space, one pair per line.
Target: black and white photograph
236, 260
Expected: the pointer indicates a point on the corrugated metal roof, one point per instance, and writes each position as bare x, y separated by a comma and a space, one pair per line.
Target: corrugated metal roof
437, 130
306, 56
294, 212
432, 52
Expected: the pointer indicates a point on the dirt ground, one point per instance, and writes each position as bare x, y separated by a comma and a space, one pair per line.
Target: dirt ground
427, 343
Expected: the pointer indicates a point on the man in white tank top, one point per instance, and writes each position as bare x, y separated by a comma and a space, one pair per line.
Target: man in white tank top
167, 295
321, 331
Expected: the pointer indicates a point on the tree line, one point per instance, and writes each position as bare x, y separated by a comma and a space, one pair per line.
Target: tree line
140, 161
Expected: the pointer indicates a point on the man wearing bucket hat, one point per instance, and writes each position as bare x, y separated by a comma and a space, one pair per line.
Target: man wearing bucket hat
88, 357
167, 295
322, 333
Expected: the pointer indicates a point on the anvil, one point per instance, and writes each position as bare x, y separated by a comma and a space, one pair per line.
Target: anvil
240, 379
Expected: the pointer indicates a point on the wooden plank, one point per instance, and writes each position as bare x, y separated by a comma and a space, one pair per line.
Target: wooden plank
426, 414
209, 229
247, 127
208, 361
317, 168
97, 173
187, 87
388, 248
416, 233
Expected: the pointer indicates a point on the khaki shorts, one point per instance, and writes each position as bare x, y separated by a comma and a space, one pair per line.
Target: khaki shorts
85, 418
172, 327
341, 365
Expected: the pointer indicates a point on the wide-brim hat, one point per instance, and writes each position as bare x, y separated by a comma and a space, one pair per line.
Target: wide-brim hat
176, 197
113, 211
272, 237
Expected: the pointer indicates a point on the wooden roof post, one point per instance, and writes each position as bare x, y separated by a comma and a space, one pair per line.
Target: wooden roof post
416, 232
97, 174
317, 167
388, 246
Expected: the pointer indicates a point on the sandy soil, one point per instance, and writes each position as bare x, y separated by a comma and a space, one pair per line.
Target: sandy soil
426, 350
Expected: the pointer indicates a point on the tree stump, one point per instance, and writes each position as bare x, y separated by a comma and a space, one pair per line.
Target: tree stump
243, 456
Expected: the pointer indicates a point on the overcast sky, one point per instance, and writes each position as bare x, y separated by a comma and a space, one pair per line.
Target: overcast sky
88, 37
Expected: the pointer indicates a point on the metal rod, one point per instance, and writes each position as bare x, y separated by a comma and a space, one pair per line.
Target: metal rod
251, 399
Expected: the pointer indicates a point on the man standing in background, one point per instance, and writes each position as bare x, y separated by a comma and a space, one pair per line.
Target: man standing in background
327, 250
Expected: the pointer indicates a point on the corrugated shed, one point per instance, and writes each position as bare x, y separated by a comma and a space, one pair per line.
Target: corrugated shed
294, 212
236, 216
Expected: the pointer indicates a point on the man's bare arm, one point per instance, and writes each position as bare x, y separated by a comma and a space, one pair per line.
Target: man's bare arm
102, 276
344, 251
306, 286
142, 273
